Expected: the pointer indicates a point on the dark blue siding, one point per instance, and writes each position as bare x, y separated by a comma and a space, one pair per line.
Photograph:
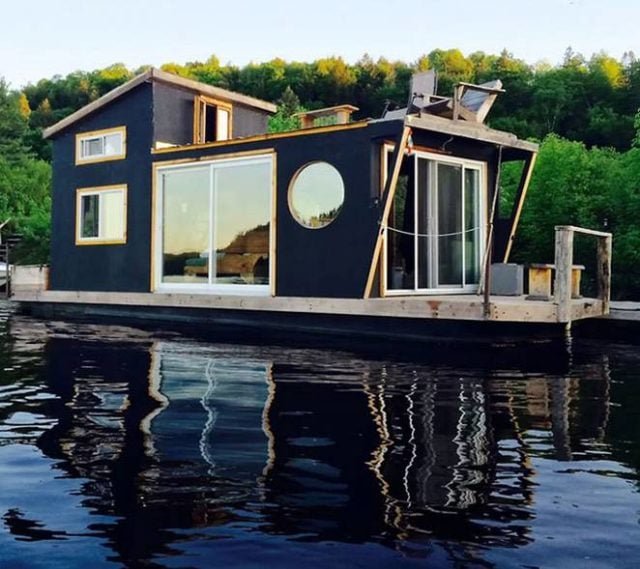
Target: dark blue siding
105, 267
332, 261
173, 116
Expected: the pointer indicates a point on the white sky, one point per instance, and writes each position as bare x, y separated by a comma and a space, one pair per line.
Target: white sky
41, 38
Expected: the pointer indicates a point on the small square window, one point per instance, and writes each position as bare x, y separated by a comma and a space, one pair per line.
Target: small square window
101, 145
101, 215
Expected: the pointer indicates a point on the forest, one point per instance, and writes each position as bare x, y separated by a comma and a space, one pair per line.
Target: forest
584, 112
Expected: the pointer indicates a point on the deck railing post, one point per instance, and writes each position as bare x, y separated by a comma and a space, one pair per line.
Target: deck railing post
564, 263
604, 271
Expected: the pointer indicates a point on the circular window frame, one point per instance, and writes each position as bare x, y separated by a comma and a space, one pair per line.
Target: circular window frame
292, 183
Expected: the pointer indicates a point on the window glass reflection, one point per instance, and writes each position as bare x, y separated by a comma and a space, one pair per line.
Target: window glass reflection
216, 223
316, 195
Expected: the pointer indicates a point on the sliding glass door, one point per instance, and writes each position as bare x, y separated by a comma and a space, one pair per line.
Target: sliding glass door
435, 230
213, 226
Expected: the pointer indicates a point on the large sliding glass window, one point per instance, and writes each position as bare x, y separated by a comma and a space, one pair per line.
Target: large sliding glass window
213, 224
436, 225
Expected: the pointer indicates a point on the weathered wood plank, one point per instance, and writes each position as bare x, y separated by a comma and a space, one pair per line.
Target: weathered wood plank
389, 194
583, 230
562, 283
521, 194
471, 130
452, 307
604, 271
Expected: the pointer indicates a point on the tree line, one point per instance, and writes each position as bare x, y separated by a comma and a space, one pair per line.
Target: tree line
583, 111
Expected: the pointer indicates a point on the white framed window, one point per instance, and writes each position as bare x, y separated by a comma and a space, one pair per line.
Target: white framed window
435, 234
213, 226
101, 145
101, 215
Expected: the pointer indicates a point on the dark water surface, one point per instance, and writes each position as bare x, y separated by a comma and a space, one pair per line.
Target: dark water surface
125, 448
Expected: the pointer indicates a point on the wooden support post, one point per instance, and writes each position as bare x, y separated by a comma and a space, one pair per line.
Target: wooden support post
485, 278
388, 195
564, 264
604, 271
7, 285
458, 90
519, 203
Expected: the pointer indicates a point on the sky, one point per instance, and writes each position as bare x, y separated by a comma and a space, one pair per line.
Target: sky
41, 38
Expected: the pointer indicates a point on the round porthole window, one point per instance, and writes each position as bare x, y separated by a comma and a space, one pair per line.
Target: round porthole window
316, 195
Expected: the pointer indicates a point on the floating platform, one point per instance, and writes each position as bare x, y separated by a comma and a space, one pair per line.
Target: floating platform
415, 318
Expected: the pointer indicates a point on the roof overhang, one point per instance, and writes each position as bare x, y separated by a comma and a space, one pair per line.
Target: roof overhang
163, 77
470, 130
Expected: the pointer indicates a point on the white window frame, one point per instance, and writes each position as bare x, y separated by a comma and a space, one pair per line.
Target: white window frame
473, 164
99, 191
214, 288
83, 137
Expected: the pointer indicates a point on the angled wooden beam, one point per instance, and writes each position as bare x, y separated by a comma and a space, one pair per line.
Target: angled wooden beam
519, 202
387, 198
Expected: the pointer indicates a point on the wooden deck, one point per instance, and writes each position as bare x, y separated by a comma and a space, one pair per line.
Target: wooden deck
450, 307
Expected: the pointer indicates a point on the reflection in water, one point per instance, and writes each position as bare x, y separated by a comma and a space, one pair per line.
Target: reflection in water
168, 452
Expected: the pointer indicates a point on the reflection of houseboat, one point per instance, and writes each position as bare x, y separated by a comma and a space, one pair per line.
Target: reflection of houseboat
170, 196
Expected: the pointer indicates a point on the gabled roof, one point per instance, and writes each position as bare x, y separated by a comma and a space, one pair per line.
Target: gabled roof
154, 74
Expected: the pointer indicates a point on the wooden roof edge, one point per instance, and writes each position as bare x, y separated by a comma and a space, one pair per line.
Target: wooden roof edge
327, 111
471, 130
164, 77
97, 104
218, 92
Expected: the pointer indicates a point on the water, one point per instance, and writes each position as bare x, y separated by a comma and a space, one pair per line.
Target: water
126, 448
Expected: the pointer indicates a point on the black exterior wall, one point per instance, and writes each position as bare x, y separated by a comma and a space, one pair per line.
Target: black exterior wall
105, 267
173, 116
332, 261
329, 262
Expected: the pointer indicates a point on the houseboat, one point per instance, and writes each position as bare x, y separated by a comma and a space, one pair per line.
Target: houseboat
173, 202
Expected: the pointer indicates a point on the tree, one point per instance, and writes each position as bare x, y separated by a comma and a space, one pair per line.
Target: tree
13, 125
284, 119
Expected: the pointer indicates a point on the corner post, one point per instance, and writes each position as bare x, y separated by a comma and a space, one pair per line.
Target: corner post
604, 271
564, 262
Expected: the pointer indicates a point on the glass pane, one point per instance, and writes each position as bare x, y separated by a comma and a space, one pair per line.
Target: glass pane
112, 215
113, 144
450, 236
186, 228
242, 216
89, 213
208, 123
316, 196
92, 147
472, 227
426, 180
400, 241
222, 125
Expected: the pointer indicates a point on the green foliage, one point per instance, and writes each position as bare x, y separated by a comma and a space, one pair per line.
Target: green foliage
13, 125
288, 105
594, 188
25, 199
591, 101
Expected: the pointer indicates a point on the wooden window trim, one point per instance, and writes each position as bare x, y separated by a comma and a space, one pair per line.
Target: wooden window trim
80, 160
156, 216
200, 100
97, 190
